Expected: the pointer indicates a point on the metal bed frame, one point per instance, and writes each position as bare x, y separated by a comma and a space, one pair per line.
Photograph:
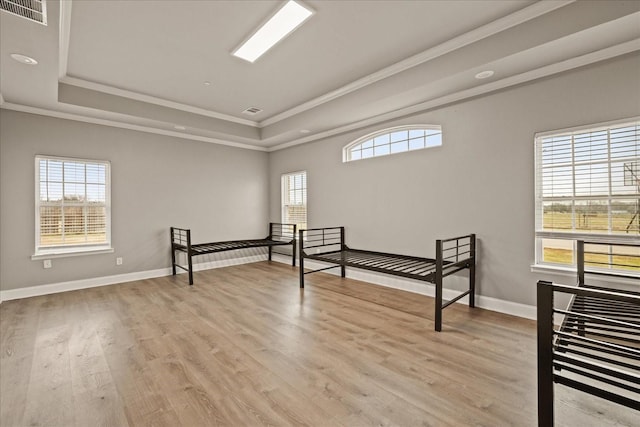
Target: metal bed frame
452, 255
596, 349
279, 235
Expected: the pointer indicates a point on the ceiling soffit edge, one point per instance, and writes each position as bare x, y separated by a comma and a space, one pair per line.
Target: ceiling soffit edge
124, 125
530, 12
523, 78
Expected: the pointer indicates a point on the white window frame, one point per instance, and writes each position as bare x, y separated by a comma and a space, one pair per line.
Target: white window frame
283, 199
540, 233
67, 250
347, 151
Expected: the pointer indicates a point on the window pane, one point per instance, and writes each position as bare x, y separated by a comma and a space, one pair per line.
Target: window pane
356, 154
402, 135
625, 216
434, 140
367, 144
399, 147
557, 216
96, 174
54, 170
73, 172
381, 150
557, 181
417, 143
50, 225
591, 146
416, 133
96, 193
381, 140
74, 224
367, 153
556, 150
592, 216
557, 251
592, 180
74, 192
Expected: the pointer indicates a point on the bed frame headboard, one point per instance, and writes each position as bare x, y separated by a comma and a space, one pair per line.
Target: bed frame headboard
315, 238
282, 232
602, 256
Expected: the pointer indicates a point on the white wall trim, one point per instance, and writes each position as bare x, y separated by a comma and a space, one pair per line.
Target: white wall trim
54, 288
424, 288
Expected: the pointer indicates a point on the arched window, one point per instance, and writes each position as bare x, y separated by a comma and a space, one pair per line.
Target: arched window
393, 140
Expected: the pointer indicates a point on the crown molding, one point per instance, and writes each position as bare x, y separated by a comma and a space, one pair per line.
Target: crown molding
528, 13
63, 60
123, 125
538, 73
86, 84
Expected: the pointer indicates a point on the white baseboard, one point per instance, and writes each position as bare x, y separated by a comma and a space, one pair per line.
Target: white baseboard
424, 288
34, 291
489, 303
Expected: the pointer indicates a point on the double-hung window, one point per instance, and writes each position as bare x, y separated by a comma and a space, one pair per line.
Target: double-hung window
72, 206
587, 188
294, 199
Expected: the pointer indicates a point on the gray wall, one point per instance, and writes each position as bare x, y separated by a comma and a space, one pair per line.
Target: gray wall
481, 180
157, 181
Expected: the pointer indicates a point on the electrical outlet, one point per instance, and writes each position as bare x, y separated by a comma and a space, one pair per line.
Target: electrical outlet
46, 263
119, 260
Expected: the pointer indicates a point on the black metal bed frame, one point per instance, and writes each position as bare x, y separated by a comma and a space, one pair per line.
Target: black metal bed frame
279, 235
452, 255
596, 349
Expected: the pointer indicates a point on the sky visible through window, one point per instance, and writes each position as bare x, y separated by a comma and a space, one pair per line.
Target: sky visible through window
397, 141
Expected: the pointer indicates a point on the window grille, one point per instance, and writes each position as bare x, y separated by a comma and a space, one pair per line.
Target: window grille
294, 199
72, 204
392, 141
587, 187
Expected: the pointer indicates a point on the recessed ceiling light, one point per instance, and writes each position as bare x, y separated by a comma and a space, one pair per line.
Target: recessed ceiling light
288, 18
24, 59
304, 131
484, 74
207, 83
179, 127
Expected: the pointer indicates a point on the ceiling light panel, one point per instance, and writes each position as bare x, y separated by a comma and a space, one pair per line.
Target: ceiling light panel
288, 18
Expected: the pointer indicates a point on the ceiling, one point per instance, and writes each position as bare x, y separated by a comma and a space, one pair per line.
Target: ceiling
143, 64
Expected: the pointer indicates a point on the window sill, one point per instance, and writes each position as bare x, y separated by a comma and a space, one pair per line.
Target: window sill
70, 252
571, 272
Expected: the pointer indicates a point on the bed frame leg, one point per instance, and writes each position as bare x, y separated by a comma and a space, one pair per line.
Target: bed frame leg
190, 269
343, 247
472, 272
189, 257
270, 252
293, 250
439, 262
173, 253
301, 258
545, 353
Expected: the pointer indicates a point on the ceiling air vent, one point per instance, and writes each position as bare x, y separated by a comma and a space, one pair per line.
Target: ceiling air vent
251, 111
33, 10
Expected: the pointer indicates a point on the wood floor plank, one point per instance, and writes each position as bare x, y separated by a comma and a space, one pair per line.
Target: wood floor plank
245, 346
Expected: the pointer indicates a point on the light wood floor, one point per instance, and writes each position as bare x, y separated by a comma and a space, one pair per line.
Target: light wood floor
246, 347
